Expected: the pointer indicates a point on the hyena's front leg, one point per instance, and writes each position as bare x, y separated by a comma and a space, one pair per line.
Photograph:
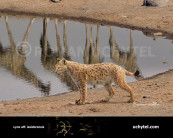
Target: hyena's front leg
83, 93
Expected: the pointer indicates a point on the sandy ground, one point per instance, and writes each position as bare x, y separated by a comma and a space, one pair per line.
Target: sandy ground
158, 101
127, 13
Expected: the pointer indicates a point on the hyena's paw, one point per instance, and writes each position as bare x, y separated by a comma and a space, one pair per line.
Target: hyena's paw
105, 100
55, 1
131, 100
79, 102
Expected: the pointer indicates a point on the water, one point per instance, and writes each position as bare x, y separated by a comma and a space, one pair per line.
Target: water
29, 48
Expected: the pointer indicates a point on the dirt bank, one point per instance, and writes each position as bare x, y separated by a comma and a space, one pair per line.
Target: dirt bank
127, 13
154, 97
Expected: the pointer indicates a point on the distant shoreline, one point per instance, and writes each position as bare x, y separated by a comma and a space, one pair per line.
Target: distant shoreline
123, 14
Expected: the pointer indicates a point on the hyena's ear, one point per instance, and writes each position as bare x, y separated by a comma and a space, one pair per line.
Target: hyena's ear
64, 61
58, 59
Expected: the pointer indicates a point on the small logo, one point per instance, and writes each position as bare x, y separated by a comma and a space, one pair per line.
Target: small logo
63, 128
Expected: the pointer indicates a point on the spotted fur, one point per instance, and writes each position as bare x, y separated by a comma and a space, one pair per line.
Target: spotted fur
104, 74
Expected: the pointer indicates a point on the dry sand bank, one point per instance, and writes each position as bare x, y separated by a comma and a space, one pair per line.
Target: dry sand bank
126, 13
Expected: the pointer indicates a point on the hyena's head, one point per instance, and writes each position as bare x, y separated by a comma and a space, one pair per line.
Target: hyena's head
61, 65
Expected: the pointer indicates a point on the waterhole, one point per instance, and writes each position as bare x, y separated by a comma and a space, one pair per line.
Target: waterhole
29, 48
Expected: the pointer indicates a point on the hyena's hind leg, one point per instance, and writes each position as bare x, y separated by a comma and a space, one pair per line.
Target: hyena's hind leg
83, 93
110, 90
121, 82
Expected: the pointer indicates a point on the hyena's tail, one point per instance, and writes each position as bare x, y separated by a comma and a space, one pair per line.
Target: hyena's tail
132, 74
